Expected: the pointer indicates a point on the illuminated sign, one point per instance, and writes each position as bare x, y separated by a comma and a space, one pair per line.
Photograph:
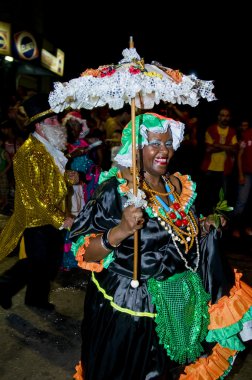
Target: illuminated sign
52, 62
5, 46
26, 46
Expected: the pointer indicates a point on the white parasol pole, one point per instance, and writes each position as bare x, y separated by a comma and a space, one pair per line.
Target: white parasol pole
134, 282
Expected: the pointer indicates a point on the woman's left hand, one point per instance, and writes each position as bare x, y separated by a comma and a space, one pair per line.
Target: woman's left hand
211, 220
223, 221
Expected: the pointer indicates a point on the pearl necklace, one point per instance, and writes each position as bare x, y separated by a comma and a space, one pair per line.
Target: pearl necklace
183, 258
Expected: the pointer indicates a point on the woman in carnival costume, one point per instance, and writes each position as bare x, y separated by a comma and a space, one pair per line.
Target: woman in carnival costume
78, 161
190, 314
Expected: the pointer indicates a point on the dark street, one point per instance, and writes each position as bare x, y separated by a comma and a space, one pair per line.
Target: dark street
37, 344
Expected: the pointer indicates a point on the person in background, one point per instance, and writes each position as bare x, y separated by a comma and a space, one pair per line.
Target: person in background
5, 166
221, 147
117, 120
159, 325
242, 128
241, 222
114, 145
39, 208
186, 159
78, 158
78, 150
12, 142
12, 138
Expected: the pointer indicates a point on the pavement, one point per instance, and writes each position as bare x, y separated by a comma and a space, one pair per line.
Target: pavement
41, 345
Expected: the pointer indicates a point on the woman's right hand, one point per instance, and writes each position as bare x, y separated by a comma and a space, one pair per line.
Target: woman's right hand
132, 220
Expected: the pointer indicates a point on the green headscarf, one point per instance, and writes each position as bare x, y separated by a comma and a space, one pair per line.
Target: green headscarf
147, 122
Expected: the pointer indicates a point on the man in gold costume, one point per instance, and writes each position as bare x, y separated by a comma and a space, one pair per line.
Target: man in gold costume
41, 186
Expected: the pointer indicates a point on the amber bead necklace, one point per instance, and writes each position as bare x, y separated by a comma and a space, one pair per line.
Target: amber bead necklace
182, 227
151, 191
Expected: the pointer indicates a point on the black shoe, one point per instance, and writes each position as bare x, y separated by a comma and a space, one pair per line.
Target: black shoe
5, 298
41, 305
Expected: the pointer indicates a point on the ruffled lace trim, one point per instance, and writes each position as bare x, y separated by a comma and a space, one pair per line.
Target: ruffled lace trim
105, 175
123, 187
231, 309
232, 315
188, 194
117, 85
79, 249
216, 366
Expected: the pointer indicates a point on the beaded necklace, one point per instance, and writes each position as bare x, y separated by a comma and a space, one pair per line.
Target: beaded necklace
182, 227
152, 191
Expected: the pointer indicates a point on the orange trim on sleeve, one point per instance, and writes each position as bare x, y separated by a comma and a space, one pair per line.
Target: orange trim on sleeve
80, 257
187, 190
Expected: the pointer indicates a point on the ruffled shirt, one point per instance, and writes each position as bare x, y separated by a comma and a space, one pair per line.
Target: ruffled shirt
58, 156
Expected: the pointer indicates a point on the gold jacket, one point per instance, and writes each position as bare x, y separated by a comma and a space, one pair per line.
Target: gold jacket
40, 193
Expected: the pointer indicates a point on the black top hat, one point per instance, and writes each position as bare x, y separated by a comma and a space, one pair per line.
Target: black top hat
37, 108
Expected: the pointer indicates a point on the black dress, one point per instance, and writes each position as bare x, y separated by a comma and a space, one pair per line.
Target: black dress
120, 330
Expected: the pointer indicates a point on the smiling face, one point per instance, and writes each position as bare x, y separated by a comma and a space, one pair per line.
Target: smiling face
158, 152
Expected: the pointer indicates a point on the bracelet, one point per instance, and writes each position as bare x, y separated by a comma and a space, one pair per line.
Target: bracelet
105, 242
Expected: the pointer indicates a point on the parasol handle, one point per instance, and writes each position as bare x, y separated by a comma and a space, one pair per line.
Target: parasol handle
131, 42
134, 282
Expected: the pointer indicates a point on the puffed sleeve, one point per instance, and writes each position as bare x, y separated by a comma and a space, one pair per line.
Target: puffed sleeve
102, 212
